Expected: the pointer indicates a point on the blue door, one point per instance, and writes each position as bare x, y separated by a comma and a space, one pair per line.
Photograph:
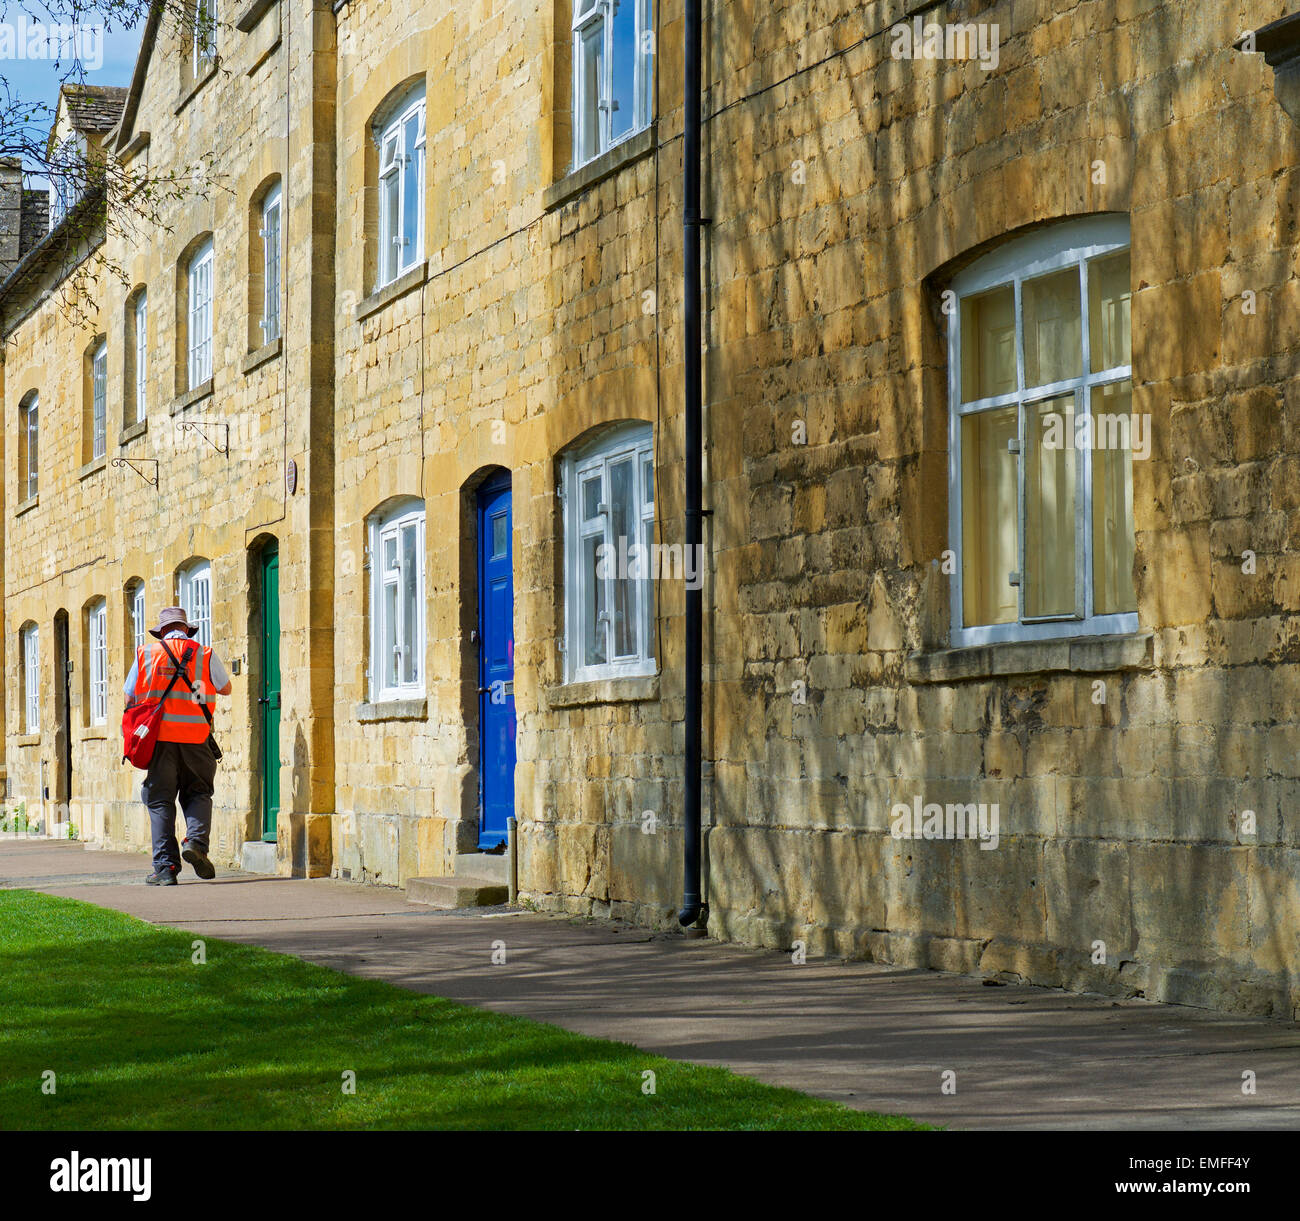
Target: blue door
496, 683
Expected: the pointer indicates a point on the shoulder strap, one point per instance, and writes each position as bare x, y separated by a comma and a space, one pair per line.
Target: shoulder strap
179, 671
176, 673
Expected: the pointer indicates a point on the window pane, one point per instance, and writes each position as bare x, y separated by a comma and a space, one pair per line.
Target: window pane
1112, 500
410, 604
33, 449
99, 378
1053, 328
1108, 312
388, 640
388, 256
593, 607
271, 277
648, 588
623, 63
411, 194
1051, 460
648, 480
499, 539
989, 517
623, 531
141, 355
988, 344
591, 497
590, 73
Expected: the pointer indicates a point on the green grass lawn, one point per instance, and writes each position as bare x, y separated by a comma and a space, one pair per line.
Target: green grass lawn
140, 1037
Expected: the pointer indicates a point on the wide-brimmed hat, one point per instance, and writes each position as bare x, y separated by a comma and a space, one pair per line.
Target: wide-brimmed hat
169, 619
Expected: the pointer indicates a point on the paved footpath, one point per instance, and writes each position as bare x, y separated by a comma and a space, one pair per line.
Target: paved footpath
871, 1036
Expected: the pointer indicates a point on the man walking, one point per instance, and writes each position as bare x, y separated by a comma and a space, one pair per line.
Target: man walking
184, 762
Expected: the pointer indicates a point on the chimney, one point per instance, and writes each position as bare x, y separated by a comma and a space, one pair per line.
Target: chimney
11, 214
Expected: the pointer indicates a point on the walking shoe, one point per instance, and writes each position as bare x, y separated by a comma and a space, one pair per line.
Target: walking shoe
199, 859
162, 877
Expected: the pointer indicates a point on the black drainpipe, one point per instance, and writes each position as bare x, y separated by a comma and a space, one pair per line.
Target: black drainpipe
692, 904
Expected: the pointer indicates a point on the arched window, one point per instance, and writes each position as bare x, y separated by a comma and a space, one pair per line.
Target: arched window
1043, 437
29, 652
399, 136
96, 670
135, 362
198, 315
397, 632
194, 593
269, 232
613, 73
610, 560
95, 443
205, 35
28, 446
135, 614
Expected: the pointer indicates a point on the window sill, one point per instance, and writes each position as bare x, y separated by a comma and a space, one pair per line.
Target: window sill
188, 399
259, 356
94, 733
27, 739
393, 710
187, 94
610, 162
642, 688
93, 467
1093, 655
26, 506
132, 431
391, 291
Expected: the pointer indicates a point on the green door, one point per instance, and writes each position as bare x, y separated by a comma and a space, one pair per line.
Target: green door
270, 698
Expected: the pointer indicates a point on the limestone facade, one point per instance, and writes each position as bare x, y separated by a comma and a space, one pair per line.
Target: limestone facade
1145, 774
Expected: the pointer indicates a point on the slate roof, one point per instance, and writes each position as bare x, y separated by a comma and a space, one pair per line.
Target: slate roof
94, 107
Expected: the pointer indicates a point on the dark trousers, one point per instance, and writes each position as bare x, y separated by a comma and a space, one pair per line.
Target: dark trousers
183, 770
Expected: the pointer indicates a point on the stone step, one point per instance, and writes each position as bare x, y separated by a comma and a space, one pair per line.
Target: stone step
257, 856
494, 865
451, 893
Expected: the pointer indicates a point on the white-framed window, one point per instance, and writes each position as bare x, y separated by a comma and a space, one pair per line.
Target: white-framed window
397, 631
98, 396
194, 593
200, 315
205, 34
30, 437
135, 600
613, 73
401, 189
270, 235
141, 317
1042, 437
31, 655
67, 177
609, 513
97, 661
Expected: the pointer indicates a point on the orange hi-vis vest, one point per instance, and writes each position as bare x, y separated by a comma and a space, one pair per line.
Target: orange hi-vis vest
183, 719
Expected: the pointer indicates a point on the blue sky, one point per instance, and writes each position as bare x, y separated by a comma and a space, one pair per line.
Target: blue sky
37, 80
